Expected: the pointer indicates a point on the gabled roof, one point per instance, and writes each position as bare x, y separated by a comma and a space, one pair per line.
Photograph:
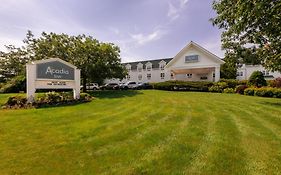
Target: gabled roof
51, 60
197, 46
155, 63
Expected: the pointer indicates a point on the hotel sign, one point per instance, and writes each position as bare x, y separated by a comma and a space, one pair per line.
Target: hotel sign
52, 73
54, 70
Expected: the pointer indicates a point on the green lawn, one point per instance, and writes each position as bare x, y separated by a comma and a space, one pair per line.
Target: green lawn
145, 132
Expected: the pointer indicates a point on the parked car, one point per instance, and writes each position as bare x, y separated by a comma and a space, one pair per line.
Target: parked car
144, 86
110, 86
129, 85
120, 85
91, 86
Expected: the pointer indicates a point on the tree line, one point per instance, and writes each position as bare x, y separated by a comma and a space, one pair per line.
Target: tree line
97, 60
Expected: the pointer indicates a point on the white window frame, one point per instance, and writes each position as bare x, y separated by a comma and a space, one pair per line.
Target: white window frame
162, 75
189, 75
140, 77
148, 77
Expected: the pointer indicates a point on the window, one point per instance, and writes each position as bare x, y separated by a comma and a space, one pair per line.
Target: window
140, 77
172, 76
148, 68
162, 66
189, 75
239, 74
139, 69
191, 58
128, 77
128, 67
148, 76
162, 75
265, 73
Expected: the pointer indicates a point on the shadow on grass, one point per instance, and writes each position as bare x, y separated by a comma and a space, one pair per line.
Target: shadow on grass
276, 104
114, 93
60, 105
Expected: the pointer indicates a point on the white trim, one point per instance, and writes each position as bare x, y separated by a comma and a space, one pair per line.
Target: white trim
52, 59
216, 58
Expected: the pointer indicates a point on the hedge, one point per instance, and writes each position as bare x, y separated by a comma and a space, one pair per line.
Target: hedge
183, 86
263, 92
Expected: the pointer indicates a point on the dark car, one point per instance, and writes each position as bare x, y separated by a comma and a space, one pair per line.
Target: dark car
110, 86
144, 86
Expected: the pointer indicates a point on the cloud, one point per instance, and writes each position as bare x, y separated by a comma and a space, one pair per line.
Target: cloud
142, 39
174, 10
183, 3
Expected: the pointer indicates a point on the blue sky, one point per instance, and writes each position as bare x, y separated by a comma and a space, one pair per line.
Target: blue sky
144, 29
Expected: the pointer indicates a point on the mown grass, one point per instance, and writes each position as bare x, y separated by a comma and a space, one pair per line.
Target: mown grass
145, 132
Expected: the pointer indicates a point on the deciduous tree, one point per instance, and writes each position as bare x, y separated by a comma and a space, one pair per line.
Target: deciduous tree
251, 31
97, 60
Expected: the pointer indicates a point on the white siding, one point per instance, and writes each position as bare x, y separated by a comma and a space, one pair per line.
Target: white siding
247, 70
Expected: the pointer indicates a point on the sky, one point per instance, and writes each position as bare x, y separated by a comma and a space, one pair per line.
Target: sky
143, 29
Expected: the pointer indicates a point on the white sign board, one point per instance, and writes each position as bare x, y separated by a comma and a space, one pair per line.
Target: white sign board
52, 73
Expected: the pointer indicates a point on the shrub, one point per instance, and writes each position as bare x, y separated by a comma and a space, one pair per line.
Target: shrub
50, 98
249, 91
231, 83
85, 97
16, 102
183, 86
263, 92
257, 79
58, 98
229, 90
47, 99
242, 82
275, 83
240, 89
218, 87
15, 85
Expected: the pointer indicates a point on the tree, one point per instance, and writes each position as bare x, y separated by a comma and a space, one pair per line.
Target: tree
13, 63
229, 68
251, 31
97, 60
257, 79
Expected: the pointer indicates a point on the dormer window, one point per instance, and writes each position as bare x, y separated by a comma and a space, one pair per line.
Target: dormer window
162, 65
148, 66
191, 58
128, 67
140, 67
